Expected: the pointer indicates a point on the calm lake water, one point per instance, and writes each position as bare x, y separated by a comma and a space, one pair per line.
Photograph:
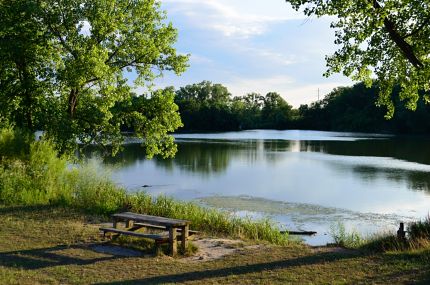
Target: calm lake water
304, 180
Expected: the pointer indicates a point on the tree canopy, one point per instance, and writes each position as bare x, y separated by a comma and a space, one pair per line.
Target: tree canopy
206, 106
386, 39
64, 68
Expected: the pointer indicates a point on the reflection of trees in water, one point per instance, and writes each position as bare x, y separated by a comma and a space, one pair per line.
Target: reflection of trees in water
129, 155
412, 150
415, 180
214, 156
402, 149
201, 156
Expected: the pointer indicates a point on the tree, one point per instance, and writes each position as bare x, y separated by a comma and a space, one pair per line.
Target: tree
206, 107
276, 112
64, 66
386, 39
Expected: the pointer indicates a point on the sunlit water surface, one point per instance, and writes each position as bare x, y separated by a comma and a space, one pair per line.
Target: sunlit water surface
304, 180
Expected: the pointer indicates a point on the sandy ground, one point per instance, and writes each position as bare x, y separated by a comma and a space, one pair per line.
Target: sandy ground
215, 248
208, 249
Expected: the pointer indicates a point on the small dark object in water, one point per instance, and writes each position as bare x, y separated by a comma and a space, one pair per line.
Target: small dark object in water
305, 233
145, 186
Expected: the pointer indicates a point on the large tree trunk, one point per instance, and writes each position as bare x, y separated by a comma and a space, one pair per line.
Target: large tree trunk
406, 48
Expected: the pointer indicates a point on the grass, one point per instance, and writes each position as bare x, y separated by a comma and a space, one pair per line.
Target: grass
39, 176
418, 238
53, 245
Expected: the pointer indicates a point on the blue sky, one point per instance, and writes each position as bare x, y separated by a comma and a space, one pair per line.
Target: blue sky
253, 46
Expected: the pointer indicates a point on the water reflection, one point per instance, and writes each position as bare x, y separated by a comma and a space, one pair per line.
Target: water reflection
396, 160
415, 180
413, 150
356, 173
207, 157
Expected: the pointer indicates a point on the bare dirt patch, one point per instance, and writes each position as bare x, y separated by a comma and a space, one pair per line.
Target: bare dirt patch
216, 248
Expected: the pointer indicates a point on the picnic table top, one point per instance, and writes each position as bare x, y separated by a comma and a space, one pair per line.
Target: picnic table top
154, 220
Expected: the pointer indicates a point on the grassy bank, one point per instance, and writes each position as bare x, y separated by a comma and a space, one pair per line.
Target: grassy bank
54, 245
32, 173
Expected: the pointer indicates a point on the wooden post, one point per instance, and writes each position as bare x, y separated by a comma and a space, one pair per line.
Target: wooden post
401, 234
158, 250
128, 223
115, 223
172, 241
184, 241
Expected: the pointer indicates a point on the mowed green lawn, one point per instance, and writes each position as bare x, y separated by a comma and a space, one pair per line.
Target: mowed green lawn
54, 246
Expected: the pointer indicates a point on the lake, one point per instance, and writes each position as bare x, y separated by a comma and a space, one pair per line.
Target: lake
303, 180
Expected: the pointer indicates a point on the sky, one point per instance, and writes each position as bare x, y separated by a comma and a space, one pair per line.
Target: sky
253, 46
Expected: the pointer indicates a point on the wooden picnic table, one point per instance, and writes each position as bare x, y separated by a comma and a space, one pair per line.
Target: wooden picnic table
135, 221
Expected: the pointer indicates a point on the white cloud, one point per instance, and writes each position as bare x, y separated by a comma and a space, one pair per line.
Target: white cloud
229, 20
268, 55
292, 92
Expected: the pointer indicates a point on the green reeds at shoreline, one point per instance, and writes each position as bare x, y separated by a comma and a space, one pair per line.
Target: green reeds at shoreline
417, 237
32, 173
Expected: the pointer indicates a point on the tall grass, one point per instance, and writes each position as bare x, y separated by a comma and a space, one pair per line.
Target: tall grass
345, 239
418, 237
32, 173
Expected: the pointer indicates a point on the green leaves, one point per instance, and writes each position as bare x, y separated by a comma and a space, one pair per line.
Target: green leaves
387, 40
65, 63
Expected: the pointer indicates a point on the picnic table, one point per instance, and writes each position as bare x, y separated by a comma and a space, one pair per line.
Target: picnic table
133, 222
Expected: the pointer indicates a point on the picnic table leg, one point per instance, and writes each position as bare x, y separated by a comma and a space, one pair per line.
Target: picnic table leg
184, 241
172, 241
128, 223
115, 223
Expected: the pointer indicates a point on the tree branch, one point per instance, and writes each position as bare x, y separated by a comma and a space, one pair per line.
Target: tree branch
405, 47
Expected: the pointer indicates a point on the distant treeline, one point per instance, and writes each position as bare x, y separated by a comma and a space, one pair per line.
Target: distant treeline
354, 109
208, 107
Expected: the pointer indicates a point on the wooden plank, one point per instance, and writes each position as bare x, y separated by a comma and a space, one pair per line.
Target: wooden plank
160, 221
142, 235
149, 226
307, 233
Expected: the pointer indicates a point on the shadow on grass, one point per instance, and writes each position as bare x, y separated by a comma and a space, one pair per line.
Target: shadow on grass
52, 256
239, 270
28, 209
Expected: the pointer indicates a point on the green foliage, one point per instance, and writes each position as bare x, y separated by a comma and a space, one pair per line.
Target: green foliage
209, 107
35, 177
93, 191
152, 119
353, 109
13, 143
206, 107
345, 239
384, 243
419, 230
386, 39
418, 237
64, 63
